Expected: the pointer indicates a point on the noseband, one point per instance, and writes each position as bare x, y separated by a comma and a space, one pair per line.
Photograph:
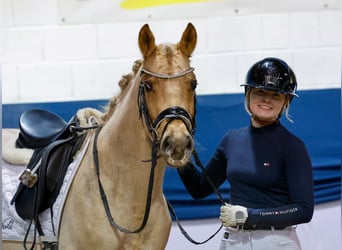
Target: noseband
169, 114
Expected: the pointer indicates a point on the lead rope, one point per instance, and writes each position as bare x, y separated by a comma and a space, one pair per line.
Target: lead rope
103, 194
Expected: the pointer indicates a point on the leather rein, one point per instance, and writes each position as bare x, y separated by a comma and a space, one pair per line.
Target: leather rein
169, 114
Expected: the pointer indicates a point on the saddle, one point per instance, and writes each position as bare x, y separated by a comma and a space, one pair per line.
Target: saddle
55, 142
40, 127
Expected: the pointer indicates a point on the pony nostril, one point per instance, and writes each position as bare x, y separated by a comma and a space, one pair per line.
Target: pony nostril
165, 146
190, 145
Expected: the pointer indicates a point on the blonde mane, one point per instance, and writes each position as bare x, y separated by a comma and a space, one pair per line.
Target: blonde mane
123, 83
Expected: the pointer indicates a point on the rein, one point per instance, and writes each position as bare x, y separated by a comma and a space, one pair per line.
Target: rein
174, 113
104, 197
199, 163
170, 114
173, 212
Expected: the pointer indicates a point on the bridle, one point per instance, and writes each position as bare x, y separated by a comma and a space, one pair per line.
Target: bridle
168, 115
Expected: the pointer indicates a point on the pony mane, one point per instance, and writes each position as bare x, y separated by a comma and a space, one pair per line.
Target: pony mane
123, 83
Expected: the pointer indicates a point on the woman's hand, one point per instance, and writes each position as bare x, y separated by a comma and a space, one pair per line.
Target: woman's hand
232, 216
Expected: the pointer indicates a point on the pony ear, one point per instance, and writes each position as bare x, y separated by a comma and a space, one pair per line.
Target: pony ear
188, 41
146, 41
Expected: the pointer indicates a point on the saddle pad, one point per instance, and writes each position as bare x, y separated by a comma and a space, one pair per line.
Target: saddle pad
14, 227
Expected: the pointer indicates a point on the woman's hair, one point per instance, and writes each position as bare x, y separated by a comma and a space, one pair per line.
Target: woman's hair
285, 109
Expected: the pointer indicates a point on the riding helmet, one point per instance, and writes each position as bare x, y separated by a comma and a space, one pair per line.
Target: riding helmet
272, 74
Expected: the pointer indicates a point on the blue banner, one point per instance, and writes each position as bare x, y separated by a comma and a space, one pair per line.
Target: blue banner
317, 121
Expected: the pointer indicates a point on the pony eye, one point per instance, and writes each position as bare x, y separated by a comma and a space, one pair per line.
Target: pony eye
148, 86
193, 84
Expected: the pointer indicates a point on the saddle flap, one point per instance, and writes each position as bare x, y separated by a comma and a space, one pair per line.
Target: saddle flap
53, 161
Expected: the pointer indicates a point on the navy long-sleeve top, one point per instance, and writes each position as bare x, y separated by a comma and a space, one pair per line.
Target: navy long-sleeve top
269, 171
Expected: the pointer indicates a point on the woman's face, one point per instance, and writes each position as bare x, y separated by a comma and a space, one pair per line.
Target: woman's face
265, 106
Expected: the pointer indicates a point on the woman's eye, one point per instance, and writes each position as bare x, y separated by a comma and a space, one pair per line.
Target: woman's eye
260, 93
276, 96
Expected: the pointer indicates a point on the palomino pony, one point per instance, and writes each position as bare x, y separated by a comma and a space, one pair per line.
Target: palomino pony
116, 199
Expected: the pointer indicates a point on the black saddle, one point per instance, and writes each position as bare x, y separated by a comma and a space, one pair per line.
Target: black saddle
55, 142
40, 127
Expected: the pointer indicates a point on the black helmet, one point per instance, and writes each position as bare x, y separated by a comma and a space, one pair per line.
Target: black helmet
272, 74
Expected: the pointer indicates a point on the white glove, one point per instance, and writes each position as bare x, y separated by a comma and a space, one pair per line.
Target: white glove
232, 216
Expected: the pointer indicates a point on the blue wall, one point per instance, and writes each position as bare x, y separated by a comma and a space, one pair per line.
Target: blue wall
317, 121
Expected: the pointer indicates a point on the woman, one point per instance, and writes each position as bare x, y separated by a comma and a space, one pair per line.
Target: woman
268, 168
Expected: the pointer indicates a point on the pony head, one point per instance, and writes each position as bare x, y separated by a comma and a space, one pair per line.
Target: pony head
167, 96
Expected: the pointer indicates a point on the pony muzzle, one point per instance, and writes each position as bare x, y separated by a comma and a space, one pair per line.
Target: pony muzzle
176, 147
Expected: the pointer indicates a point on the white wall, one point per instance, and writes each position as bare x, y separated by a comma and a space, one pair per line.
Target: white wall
46, 59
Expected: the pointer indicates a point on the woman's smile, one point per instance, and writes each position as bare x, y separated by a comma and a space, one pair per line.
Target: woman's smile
264, 107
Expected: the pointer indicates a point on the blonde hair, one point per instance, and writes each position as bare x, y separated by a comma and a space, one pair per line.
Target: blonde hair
285, 110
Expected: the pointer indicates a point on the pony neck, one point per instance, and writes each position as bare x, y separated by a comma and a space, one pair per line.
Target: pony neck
124, 146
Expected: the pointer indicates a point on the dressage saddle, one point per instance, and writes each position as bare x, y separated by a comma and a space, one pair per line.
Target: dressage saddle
55, 142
